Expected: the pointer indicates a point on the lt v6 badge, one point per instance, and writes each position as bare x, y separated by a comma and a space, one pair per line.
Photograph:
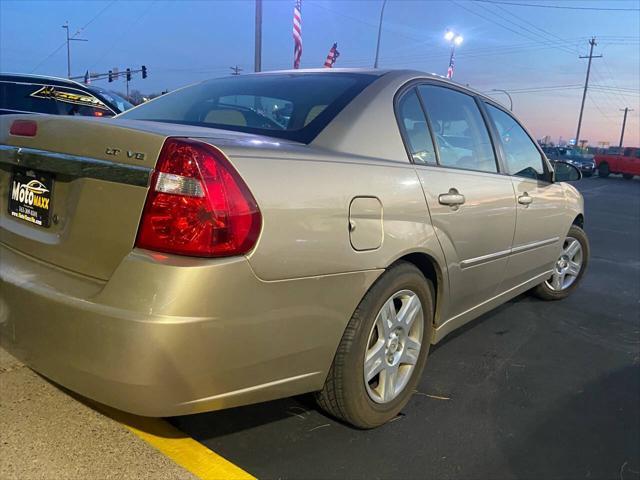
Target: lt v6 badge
130, 153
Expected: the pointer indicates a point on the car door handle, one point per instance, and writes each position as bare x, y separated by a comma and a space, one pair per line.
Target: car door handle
525, 199
453, 198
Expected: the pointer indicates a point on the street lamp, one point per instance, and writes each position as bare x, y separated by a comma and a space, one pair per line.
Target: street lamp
69, 40
507, 94
375, 63
455, 39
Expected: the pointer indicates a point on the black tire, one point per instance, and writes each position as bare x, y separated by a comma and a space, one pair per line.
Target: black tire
603, 170
344, 394
544, 292
587, 174
627, 176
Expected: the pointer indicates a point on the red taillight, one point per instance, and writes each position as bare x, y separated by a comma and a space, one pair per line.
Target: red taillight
24, 128
197, 204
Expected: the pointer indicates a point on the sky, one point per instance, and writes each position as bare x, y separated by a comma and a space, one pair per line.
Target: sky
531, 51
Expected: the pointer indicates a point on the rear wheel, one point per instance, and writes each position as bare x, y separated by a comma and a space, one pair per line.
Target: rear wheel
568, 269
603, 170
627, 176
383, 350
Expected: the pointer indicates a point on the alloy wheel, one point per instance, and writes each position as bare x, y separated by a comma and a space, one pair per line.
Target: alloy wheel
393, 346
567, 267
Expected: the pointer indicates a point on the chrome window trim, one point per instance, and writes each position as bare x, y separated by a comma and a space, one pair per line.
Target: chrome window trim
74, 165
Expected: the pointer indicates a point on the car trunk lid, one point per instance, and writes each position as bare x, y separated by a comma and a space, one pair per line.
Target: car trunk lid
97, 172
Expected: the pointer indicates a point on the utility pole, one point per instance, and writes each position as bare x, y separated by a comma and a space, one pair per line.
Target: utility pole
258, 48
624, 123
592, 43
375, 63
236, 70
69, 40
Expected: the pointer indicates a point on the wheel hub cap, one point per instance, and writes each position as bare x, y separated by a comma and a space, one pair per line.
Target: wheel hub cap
394, 346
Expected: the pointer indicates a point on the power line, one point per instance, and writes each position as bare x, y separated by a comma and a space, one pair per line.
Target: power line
561, 7
48, 56
124, 35
95, 17
491, 20
540, 29
525, 28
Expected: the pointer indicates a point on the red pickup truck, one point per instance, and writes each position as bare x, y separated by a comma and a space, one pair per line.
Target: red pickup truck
626, 162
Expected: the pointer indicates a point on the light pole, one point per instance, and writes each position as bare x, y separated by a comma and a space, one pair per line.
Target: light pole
455, 39
70, 39
257, 61
507, 94
375, 63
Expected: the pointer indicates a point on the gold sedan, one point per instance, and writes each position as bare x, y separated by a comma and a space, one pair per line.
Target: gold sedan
261, 236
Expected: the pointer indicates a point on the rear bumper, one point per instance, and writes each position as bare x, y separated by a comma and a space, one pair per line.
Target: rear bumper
170, 335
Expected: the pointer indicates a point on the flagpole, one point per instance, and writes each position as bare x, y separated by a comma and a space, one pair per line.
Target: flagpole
375, 63
450, 70
454, 39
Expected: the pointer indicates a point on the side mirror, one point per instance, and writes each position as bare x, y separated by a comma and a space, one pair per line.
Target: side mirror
565, 172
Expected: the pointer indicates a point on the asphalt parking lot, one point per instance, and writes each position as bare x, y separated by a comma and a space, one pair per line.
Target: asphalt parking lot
533, 390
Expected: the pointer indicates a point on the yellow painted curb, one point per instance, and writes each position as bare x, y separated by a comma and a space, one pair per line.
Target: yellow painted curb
177, 446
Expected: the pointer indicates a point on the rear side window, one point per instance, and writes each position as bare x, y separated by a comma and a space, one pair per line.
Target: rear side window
20, 96
416, 130
459, 129
522, 158
55, 100
291, 106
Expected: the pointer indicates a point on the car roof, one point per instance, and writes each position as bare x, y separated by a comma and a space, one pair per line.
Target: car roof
400, 75
23, 77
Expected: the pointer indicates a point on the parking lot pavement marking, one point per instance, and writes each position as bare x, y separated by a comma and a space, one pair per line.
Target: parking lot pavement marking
176, 445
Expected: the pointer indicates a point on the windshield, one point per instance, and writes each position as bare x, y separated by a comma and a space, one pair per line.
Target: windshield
295, 106
113, 98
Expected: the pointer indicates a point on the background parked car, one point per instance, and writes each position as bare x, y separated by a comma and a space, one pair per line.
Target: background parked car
626, 162
57, 96
583, 161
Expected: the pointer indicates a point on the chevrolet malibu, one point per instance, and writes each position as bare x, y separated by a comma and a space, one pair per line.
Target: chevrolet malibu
206, 250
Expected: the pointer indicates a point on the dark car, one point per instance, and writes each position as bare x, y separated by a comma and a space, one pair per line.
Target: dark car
57, 96
584, 162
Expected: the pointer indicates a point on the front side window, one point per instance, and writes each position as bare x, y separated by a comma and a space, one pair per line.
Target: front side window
461, 134
416, 130
522, 158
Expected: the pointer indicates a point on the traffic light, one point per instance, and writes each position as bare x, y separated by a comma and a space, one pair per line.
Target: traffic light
110, 76
144, 71
128, 74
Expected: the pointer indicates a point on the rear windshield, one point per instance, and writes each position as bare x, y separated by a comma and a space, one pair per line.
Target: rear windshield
293, 106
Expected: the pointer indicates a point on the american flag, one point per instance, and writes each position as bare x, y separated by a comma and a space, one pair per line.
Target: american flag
332, 57
297, 33
450, 69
